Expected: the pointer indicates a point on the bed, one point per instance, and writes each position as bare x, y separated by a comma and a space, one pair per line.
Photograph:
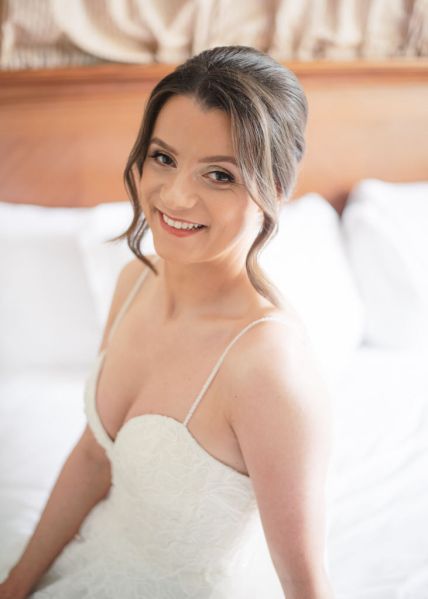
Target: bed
352, 255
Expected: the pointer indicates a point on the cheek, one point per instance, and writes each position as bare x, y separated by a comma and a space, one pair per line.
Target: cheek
233, 215
147, 184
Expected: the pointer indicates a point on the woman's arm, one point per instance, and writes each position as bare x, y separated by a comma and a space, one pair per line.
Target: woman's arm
280, 411
84, 480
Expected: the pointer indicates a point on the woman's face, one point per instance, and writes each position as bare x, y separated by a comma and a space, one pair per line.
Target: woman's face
189, 175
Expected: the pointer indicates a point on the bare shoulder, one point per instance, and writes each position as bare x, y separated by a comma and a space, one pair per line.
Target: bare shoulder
131, 271
280, 411
271, 372
270, 349
125, 281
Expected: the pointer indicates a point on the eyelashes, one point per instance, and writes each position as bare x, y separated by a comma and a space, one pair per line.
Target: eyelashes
155, 154
230, 179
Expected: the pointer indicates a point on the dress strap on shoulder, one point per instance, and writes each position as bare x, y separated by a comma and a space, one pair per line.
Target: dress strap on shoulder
131, 295
222, 357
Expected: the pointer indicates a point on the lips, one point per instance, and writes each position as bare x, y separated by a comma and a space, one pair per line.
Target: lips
188, 222
179, 232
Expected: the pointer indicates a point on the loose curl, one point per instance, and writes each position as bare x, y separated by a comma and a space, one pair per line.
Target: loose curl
268, 113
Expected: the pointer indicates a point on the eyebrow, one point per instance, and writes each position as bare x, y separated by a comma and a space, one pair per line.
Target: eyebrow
217, 158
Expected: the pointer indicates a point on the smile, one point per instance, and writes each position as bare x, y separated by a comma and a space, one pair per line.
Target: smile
177, 227
179, 224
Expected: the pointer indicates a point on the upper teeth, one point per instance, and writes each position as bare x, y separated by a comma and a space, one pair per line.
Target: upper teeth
179, 224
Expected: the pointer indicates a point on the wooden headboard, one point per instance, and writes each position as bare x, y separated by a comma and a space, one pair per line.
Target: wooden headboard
65, 134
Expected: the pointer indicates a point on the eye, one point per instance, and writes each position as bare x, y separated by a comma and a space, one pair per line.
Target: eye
156, 153
229, 178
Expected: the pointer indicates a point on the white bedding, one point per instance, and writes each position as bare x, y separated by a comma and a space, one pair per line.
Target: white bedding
378, 485
41, 417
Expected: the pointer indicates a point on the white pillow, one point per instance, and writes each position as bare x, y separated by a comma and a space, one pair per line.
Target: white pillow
307, 262
103, 261
385, 228
47, 317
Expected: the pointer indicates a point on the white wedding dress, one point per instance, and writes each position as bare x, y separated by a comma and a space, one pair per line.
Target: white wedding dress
177, 522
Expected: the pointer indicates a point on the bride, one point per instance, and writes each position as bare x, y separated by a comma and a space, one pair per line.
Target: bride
205, 408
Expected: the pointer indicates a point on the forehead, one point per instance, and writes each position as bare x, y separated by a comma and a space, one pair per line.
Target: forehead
182, 119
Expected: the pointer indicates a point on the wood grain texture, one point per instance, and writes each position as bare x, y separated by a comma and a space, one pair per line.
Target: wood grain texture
65, 134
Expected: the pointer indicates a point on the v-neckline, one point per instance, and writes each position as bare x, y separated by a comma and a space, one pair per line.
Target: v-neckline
140, 417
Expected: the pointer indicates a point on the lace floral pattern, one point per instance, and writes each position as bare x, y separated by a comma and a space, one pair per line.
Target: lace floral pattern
177, 523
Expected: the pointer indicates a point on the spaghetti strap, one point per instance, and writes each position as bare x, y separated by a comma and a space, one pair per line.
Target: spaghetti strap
128, 300
220, 361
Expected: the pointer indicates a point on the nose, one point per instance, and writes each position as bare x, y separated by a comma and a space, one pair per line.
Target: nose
178, 193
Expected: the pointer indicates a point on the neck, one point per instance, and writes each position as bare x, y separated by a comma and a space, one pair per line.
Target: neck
215, 290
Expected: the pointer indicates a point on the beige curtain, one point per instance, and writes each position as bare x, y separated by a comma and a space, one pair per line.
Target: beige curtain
67, 32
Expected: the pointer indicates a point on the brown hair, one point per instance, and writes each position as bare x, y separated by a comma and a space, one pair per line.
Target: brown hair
268, 111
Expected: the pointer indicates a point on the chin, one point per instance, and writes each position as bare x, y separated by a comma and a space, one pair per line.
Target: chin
171, 255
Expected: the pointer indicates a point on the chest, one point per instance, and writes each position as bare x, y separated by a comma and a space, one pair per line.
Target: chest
165, 374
